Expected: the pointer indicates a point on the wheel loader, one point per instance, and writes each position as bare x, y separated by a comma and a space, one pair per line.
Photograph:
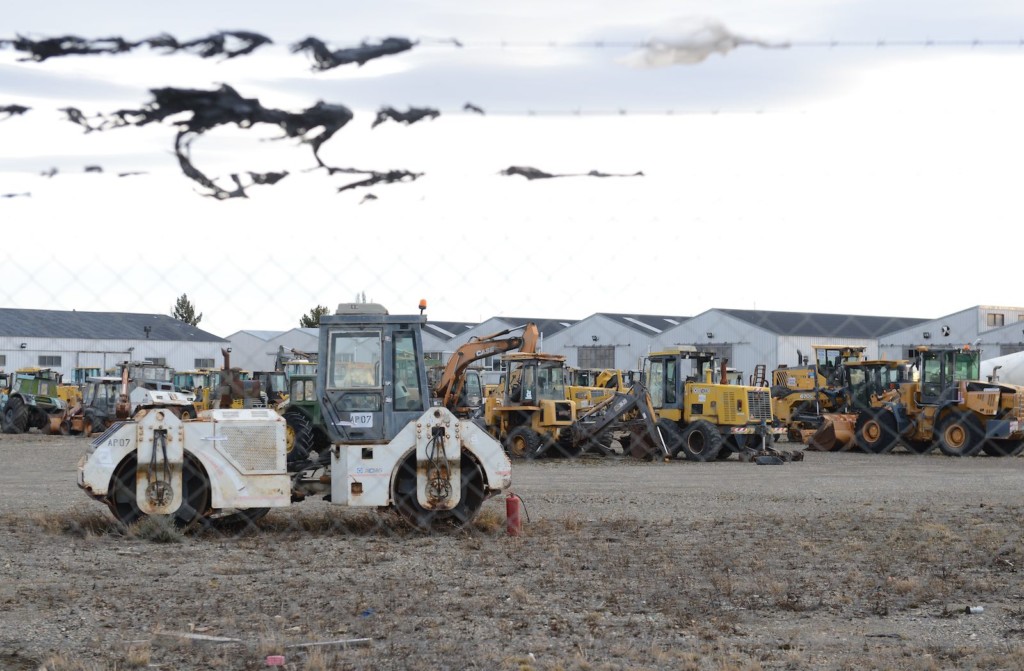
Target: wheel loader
946, 406
702, 417
865, 382
801, 394
389, 447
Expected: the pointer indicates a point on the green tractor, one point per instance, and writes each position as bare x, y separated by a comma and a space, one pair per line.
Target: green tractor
33, 402
305, 432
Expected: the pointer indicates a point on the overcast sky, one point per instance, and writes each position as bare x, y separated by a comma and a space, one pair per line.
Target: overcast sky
877, 176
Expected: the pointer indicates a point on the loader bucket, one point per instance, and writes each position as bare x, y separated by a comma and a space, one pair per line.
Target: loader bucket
835, 434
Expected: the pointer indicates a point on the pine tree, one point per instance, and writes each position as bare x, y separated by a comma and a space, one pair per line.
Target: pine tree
184, 311
311, 319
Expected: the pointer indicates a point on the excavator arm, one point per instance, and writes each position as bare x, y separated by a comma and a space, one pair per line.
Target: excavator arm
449, 388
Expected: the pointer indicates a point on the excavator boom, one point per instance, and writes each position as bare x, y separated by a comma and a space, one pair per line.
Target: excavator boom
449, 387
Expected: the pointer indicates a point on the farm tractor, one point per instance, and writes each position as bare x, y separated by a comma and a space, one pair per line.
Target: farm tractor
944, 404
389, 448
34, 401
704, 418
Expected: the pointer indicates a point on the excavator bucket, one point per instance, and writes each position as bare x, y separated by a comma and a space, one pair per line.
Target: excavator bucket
835, 434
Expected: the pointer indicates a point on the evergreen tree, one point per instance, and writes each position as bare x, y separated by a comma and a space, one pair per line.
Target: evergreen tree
311, 319
184, 311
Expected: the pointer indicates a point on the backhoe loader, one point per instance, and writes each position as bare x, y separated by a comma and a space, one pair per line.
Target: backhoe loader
533, 416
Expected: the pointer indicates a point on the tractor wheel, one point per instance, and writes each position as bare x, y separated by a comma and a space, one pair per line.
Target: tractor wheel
15, 416
65, 428
876, 432
188, 413
960, 434
701, 441
407, 505
1002, 447
195, 494
672, 435
523, 442
298, 436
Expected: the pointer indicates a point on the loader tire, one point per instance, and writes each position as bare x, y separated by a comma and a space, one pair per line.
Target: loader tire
701, 441
15, 416
298, 436
960, 434
1002, 447
875, 431
523, 442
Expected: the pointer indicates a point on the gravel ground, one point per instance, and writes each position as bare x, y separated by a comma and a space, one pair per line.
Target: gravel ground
842, 561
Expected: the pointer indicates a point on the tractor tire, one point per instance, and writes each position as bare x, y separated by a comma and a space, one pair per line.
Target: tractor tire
298, 436
523, 442
875, 431
960, 434
15, 416
701, 441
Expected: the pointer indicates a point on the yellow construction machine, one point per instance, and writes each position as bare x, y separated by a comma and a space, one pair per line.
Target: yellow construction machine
702, 416
941, 402
866, 383
801, 394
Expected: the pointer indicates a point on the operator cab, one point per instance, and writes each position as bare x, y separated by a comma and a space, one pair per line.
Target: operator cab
365, 350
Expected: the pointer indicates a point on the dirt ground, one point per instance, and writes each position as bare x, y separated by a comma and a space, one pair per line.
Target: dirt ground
842, 561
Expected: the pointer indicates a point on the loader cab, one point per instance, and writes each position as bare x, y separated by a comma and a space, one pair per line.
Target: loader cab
372, 379
534, 377
869, 378
941, 370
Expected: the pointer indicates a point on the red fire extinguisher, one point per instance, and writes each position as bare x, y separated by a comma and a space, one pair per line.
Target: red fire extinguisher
513, 522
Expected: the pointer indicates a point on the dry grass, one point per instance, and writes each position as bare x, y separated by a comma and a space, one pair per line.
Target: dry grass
743, 590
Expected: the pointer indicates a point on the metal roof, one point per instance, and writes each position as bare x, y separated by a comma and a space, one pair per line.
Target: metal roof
447, 330
24, 323
649, 324
547, 327
262, 335
822, 325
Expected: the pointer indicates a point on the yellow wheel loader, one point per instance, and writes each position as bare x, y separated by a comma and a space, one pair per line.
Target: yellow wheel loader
801, 394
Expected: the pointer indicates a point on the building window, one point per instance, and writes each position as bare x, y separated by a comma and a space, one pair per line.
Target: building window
157, 360
596, 357
3, 359
204, 363
995, 319
49, 361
